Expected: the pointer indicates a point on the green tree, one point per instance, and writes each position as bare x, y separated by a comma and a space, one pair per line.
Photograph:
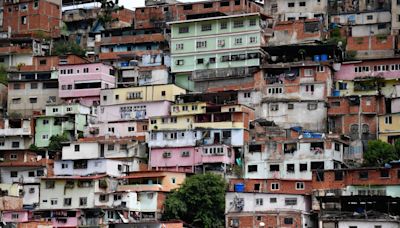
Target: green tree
200, 201
56, 142
379, 153
397, 148
67, 47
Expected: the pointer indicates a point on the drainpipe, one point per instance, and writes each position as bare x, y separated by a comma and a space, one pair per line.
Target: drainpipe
359, 117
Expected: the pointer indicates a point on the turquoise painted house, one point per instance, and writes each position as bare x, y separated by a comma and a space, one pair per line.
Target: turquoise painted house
59, 119
203, 47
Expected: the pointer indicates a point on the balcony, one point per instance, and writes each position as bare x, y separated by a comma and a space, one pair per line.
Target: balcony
132, 39
140, 187
26, 131
68, 125
214, 74
217, 154
65, 222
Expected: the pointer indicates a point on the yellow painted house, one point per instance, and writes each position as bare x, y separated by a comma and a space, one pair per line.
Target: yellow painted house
389, 127
195, 115
140, 94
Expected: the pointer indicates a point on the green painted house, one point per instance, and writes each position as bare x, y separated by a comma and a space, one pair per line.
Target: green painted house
206, 47
59, 119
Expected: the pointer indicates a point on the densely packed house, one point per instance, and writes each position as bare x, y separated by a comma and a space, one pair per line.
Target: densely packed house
279, 97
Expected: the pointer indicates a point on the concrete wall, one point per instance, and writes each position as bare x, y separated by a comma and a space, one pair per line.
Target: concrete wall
286, 118
96, 166
23, 174
250, 202
368, 224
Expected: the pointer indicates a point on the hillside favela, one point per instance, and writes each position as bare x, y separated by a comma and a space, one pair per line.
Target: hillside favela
200, 114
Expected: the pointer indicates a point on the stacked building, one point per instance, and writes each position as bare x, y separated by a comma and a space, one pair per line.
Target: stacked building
280, 98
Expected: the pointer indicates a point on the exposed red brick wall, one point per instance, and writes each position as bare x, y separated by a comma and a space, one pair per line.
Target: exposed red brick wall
286, 186
362, 43
247, 220
46, 18
351, 177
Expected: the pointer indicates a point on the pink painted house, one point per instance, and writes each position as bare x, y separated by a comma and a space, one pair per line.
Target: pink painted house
83, 82
385, 68
187, 159
17, 216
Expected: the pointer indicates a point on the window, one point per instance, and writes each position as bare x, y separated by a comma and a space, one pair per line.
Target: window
256, 187
14, 216
238, 24
179, 62
237, 2
253, 39
290, 201
252, 168
338, 175
224, 25
290, 106
201, 44
76, 148
82, 201
123, 146
185, 153
36, 4
55, 109
291, 4
166, 154
13, 156
247, 95
252, 22
183, 29
45, 137
225, 58
308, 72
40, 173
288, 221
312, 106
259, 201
130, 129
238, 41
274, 168
370, 17
384, 173
110, 147
104, 98
206, 27
187, 7
16, 100
67, 201
274, 107
53, 201
290, 168
13, 174
224, 3
275, 186
15, 144
85, 70
200, 61
17, 86
221, 43
299, 185
363, 174
42, 62
272, 200
64, 165
388, 119
320, 68
34, 85
302, 4
179, 47
23, 20
50, 184
212, 60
